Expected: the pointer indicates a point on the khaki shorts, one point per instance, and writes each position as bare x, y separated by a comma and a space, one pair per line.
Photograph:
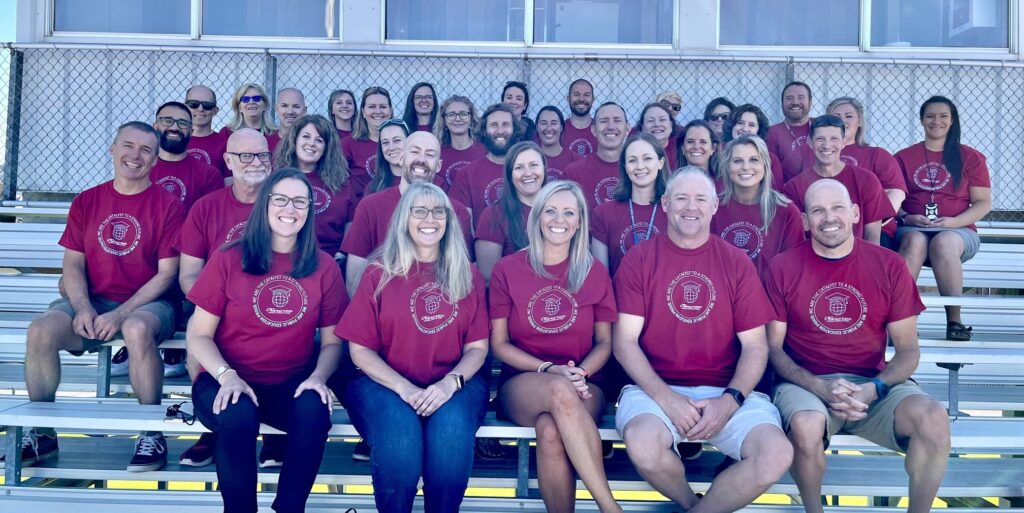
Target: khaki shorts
879, 426
160, 308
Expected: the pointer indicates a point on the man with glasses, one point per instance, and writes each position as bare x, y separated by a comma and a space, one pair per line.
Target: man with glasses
119, 264
290, 106
206, 144
577, 134
788, 139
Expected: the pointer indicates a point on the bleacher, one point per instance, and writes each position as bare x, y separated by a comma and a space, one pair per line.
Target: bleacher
983, 375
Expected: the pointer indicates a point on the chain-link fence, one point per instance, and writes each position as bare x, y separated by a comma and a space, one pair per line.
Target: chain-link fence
66, 103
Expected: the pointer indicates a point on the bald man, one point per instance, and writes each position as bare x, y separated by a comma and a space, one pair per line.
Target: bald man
290, 106
205, 144
831, 356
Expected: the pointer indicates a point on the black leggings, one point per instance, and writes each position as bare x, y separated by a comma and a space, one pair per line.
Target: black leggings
305, 419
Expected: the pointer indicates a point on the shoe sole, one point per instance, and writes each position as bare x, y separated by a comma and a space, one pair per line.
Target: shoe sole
116, 373
190, 463
271, 464
360, 457
33, 461
174, 373
146, 468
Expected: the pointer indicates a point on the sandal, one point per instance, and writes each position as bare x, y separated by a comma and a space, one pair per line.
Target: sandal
958, 332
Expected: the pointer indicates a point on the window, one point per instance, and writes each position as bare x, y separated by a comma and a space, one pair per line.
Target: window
789, 22
124, 16
603, 21
455, 20
944, 23
272, 18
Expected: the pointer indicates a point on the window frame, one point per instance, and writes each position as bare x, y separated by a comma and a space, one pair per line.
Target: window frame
788, 49
1012, 10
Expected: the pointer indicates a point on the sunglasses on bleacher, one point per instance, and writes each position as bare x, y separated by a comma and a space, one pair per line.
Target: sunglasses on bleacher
174, 413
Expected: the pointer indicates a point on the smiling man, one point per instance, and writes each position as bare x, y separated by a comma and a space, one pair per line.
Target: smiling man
290, 106
598, 174
482, 182
577, 135
206, 144
789, 138
188, 179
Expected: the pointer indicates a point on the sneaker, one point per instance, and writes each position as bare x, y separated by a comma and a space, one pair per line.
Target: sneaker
35, 447
361, 452
174, 363
689, 450
489, 449
607, 449
201, 452
150, 453
119, 363
958, 332
272, 453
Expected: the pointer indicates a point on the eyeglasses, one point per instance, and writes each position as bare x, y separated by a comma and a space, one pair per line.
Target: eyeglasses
174, 413
675, 107
718, 117
168, 121
422, 97
246, 99
247, 157
438, 213
462, 114
196, 104
280, 200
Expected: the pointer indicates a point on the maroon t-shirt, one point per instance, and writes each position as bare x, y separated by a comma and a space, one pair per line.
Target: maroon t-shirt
343, 134
597, 178
452, 161
778, 181
413, 324
216, 219
372, 216
210, 150
333, 210
268, 322
491, 226
925, 174
557, 165
790, 144
361, 157
694, 302
479, 184
579, 141
123, 237
545, 319
272, 141
741, 226
883, 165
188, 179
611, 224
865, 191
837, 310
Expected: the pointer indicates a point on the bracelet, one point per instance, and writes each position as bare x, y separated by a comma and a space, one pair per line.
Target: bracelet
545, 366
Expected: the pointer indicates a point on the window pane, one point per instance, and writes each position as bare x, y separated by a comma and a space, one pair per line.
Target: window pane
294, 18
950, 23
789, 22
132, 16
603, 21
455, 20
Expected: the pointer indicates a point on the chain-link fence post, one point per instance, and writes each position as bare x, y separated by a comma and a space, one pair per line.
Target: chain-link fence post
13, 122
270, 80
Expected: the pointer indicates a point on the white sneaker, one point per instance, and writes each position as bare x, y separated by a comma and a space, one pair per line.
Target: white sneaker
119, 363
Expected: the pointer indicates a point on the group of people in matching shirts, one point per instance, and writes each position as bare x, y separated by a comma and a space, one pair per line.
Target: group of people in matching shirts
337, 255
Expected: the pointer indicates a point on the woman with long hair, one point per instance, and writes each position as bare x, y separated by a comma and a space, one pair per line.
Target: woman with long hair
550, 124
259, 304
312, 146
421, 396
360, 149
390, 153
456, 123
552, 307
421, 108
949, 189
696, 146
635, 214
657, 119
749, 119
341, 108
516, 95
501, 229
251, 107
752, 215
715, 114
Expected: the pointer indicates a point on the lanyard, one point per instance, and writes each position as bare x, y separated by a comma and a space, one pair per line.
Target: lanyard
650, 224
933, 179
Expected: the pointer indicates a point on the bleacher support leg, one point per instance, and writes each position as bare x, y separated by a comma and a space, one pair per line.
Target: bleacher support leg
523, 472
12, 448
954, 387
103, 372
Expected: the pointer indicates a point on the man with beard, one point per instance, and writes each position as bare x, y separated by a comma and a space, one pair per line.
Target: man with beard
598, 174
831, 357
369, 224
217, 219
788, 140
481, 183
577, 134
188, 179
205, 144
290, 106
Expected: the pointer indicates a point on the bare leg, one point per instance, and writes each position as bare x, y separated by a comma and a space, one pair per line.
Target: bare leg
145, 369
554, 470
649, 445
806, 432
914, 249
47, 337
944, 252
766, 455
923, 420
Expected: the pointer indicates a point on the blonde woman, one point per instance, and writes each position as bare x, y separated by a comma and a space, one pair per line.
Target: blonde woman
251, 106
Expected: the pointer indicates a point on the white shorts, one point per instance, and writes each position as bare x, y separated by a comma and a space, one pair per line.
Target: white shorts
756, 410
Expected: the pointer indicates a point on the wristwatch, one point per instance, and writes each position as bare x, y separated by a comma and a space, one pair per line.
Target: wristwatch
220, 372
459, 380
881, 389
736, 394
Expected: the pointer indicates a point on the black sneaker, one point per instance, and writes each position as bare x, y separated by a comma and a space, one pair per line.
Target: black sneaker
35, 448
174, 363
119, 363
150, 453
490, 449
272, 453
201, 452
689, 450
361, 452
958, 332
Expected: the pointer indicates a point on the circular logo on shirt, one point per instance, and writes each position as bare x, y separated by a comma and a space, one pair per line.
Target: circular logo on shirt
279, 301
173, 185
371, 165
452, 171
838, 309
691, 296
494, 190
119, 234
798, 142
931, 176
581, 147
849, 159
552, 309
199, 154
551, 174
321, 199
605, 189
432, 309
235, 232
637, 233
745, 236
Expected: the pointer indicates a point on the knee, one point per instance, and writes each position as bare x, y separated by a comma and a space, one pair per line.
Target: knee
311, 414
929, 423
646, 439
240, 419
564, 396
138, 335
549, 439
914, 247
43, 335
772, 457
943, 249
807, 431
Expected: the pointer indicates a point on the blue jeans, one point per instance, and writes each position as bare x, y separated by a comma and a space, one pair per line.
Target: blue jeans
305, 419
405, 446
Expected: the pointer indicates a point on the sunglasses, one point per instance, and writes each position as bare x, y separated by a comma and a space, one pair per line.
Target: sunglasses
257, 98
718, 117
395, 122
675, 107
174, 414
196, 105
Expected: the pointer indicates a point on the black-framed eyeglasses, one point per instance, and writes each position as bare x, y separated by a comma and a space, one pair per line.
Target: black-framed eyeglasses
255, 98
439, 213
246, 157
422, 97
719, 117
168, 121
280, 200
462, 114
174, 413
196, 104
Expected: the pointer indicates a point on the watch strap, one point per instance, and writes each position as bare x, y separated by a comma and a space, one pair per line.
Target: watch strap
736, 394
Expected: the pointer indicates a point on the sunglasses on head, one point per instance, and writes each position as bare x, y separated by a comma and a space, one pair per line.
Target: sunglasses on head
256, 98
196, 105
395, 122
675, 107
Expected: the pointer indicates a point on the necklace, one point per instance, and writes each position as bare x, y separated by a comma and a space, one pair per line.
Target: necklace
650, 224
